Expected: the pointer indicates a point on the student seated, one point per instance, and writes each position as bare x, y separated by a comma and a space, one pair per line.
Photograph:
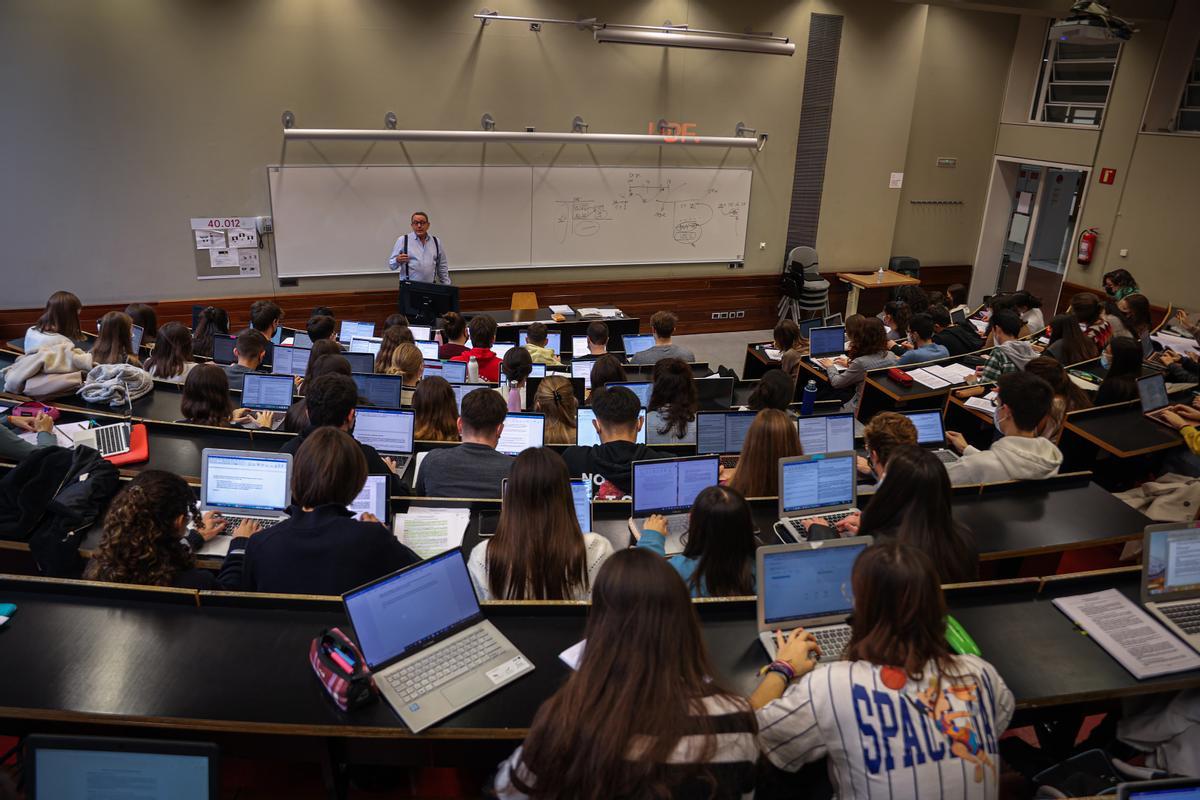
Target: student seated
393, 336
326, 311
205, 400
409, 364
58, 324
146, 318
1068, 343
211, 320
435, 416
483, 336
1185, 419
1123, 360
607, 369
1119, 284
896, 315
597, 338
958, 339
537, 342
454, 335
114, 344
921, 345
772, 436
538, 552
608, 464
663, 325
171, 359
1010, 353
775, 389
145, 539
249, 350
671, 416
1111, 313
265, 317
1067, 396
320, 548
1087, 311
474, 468
899, 678
324, 361
868, 350
956, 298
1022, 403
645, 714
321, 327
13, 447
789, 344
555, 399
915, 297
331, 402
515, 368
1135, 309
886, 431
1029, 309
718, 556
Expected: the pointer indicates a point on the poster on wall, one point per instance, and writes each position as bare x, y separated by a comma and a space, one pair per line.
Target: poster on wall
226, 247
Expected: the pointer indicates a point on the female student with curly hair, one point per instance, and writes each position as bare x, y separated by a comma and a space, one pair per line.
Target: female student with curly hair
434, 411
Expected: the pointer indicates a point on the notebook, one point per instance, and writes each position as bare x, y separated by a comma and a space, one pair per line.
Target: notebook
82, 766
826, 342
816, 486
642, 389
669, 487
246, 484
389, 431
1171, 578
636, 343
360, 362
826, 433
521, 431
380, 390
807, 585
425, 640
931, 435
290, 360
262, 392
350, 329
586, 434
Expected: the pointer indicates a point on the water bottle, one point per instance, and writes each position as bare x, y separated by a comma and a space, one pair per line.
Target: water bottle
809, 397
473, 370
879, 275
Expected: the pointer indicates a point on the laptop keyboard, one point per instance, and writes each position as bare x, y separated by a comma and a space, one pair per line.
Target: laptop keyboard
234, 521
113, 439
444, 665
1185, 615
833, 641
945, 456
834, 518
729, 462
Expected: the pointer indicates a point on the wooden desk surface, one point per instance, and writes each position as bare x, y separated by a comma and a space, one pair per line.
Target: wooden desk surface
868, 280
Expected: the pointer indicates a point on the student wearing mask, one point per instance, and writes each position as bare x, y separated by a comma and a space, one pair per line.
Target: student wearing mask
772, 436
320, 327
663, 325
205, 400
249, 350
897, 663
1022, 403
556, 401
1119, 284
958, 339
212, 320
58, 324
1123, 360
434, 412
645, 676
788, 342
171, 359
868, 351
597, 336
483, 336
1087, 311
320, 548
718, 556
671, 416
775, 390
537, 342
146, 318
331, 401
473, 468
1135, 308
1010, 354
454, 335
1068, 344
114, 344
515, 368
1067, 396
538, 552
1110, 312
608, 464
920, 342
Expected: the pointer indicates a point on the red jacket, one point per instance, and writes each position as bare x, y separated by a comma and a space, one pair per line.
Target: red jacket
489, 364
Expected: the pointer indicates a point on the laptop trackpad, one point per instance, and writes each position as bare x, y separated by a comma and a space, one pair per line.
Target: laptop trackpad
467, 690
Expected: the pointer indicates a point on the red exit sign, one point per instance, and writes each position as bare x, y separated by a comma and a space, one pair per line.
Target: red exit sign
1107, 175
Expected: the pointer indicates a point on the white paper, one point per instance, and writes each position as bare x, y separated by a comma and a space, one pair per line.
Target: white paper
955, 373
981, 404
923, 376
573, 654
980, 325
1180, 344
208, 238
588, 312
896, 180
430, 531
1130, 635
610, 313
1019, 229
1024, 199
772, 353
247, 263
5, 409
65, 433
243, 237
222, 258
564, 310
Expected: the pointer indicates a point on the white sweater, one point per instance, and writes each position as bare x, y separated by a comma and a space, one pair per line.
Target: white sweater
1012, 458
598, 549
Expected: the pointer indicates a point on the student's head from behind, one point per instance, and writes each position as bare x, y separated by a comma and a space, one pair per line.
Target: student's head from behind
1118, 279
329, 467
607, 369
772, 436
787, 335
172, 350
517, 365
537, 334
61, 316
205, 398
597, 334
1054, 373
408, 362
395, 318
1136, 309
775, 389
322, 348
1085, 307
392, 337
322, 311
1022, 402
320, 327
899, 612
720, 538
555, 399
957, 294
935, 298
114, 343
896, 314
143, 531
887, 431
1005, 325
434, 412
916, 298
920, 329
481, 419
673, 385
250, 347
869, 339
1123, 357
663, 323
483, 331
145, 317
1023, 301
209, 321
940, 316
618, 414
330, 399
454, 326
265, 315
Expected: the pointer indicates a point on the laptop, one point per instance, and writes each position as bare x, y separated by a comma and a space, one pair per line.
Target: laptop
723, 433
500, 348
366, 345
246, 484
826, 433
636, 343
373, 499
350, 329
426, 642
825, 342
461, 390
108, 440
388, 430
586, 434
537, 371
669, 487
1164, 789
807, 585
290, 360
262, 392
553, 339
137, 332
824, 485
429, 349
380, 390
1171, 578
579, 347
521, 431
806, 326
1152, 391
83, 766
833, 319
931, 435
301, 339
422, 332
360, 362
958, 317
643, 390
583, 369
223, 348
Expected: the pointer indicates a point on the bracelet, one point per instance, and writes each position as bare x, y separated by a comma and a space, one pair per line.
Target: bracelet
784, 669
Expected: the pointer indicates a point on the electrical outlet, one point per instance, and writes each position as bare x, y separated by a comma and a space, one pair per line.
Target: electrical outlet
762, 245
1124, 253
740, 314
723, 315
715, 315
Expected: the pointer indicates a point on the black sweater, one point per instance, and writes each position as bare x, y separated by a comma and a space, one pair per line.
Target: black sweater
613, 461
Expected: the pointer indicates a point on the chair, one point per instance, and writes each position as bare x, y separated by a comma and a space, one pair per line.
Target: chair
805, 292
906, 265
524, 301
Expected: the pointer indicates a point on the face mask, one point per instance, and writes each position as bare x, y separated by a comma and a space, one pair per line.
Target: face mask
1105, 361
996, 421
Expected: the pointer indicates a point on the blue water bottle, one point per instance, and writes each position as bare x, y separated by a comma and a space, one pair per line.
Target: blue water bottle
810, 397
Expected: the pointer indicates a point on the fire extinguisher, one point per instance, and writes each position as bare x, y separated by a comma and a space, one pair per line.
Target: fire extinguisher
1087, 246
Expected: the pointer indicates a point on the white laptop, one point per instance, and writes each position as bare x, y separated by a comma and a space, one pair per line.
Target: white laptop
537, 370
723, 433
107, 440
429, 349
246, 484
351, 329
826, 433
1171, 578
273, 393
431, 652
643, 390
583, 369
807, 585
823, 485
586, 434
636, 343
931, 435
521, 431
373, 499
500, 348
553, 340
579, 347
669, 487
290, 360
361, 344
388, 430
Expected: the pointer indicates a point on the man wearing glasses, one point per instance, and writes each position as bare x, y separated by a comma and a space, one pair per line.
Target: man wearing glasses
419, 256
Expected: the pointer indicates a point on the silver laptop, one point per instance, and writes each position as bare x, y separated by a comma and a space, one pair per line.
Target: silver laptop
1171, 578
668, 487
586, 434
273, 393
824, 485
388, 430
931, 435
723, 433
827, 341
521, 431
807, 585
826, 433
108, 440
431, 652
246, 484
1152, 392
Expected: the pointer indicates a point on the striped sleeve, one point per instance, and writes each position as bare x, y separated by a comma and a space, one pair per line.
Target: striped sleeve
788, 732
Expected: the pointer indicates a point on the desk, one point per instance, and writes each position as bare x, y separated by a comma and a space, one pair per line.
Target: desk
856, 282
510, 322
1119, 430
756, 362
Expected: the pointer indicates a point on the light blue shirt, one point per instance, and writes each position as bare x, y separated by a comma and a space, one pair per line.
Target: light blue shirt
426, 260
929, 352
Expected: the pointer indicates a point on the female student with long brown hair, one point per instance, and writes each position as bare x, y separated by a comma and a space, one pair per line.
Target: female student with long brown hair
538, 552
211, 321
172, 356
772, 436
434, 412
1068, 343
114, 344
868, 351
556, 400
673, 404
900, 708
58, 324
205, 400
644, 715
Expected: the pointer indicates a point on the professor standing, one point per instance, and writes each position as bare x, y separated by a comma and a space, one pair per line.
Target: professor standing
419, 256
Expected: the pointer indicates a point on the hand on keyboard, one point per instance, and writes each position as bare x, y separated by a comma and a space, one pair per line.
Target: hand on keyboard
211, 524
658, 523
799, 649
849, 525
246, 528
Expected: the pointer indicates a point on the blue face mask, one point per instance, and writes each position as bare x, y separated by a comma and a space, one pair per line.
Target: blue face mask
1105, 361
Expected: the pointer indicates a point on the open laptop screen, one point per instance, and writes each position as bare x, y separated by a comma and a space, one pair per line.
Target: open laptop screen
722, 431
583, 369
461, 390
360, 345
636, 343
119, 768
928, 425
301, 339
642, 389
223, 348
360, 362
246, 481
267, 392
388, 431
829, 433
581, 496
809, 483
579, 347
1152, 391
136, 338
553, 340
807, 325
421, 331
373, 499
670, 486
522, 431
290, 360
380, 390
412, 608
585, 431
807, 582
428, 350
1173, 562
350, 329
823, 342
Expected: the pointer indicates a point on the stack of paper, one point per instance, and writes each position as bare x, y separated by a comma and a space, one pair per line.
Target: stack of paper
1180, 344
925, 377
981, 404
430, 531
772, 353
65, 433
980, 325
1129, 634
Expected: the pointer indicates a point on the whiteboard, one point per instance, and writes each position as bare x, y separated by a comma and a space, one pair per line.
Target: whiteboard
344, 220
